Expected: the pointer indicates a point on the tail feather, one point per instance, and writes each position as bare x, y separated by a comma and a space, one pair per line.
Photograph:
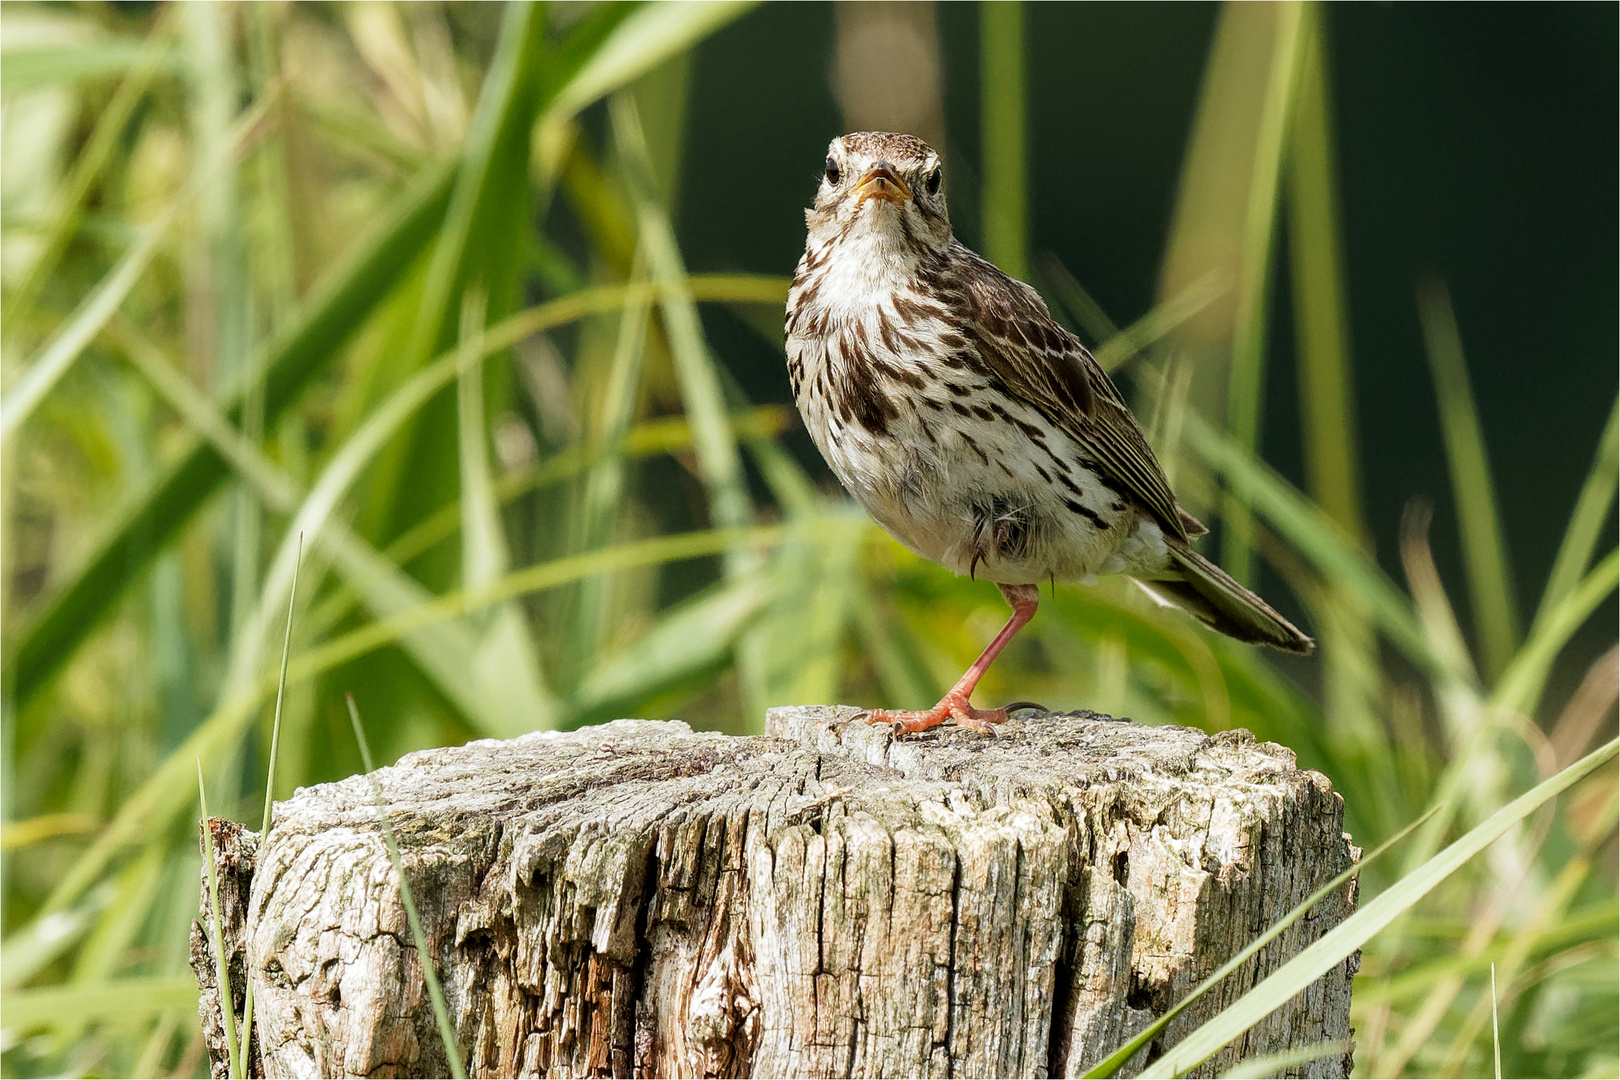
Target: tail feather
1206, 592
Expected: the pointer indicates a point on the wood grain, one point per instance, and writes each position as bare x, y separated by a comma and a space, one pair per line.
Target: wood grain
824, 900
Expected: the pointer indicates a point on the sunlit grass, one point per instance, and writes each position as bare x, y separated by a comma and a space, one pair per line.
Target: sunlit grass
513, 450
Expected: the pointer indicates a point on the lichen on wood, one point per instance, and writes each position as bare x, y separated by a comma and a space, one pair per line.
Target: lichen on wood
824, 900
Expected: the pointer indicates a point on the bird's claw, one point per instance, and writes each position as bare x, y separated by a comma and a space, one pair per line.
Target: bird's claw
953, 707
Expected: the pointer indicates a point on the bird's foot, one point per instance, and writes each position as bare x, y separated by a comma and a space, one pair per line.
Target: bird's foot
953, 707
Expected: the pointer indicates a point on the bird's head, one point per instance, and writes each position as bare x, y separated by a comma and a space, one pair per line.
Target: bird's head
887, 186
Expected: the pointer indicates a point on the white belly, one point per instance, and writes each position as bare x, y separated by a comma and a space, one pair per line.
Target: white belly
981, 497
951, 466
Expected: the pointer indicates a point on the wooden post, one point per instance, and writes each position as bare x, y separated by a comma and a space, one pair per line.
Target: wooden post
825, 900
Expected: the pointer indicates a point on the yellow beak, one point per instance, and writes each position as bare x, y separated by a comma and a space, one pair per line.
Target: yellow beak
882, 182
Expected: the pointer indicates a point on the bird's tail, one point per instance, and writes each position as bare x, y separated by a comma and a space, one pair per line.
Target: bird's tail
1204, 591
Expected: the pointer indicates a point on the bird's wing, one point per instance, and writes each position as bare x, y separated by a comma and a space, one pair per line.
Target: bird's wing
1008, 325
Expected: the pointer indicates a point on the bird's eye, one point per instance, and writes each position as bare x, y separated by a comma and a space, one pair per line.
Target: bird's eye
832, 171
935, 178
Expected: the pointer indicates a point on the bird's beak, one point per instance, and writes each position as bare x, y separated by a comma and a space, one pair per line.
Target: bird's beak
882, 182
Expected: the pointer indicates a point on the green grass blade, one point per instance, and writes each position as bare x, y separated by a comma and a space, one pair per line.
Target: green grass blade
1313, 534
227, 1005
1256, 1068
444, 655
154, 804
504, 116
547, 575
89, 165
143, 526
1490, 579
506, 661
275, 747
905, 680
272, 174
1586, 524
1327, 402
223, 280
108, 1001
688, 638
58, 355
1119, 346
31, 67
34, 947
447, 1032
1433, 605
1073, 298
1213, 193
1526, 676
1158, 323
648, 36
483, 543
1005, 164
1245, 394
793, 653
664, 436
1496, 1030
1351, 683
1116, 1061
827, 615
719, 461
1355, 931
604, 487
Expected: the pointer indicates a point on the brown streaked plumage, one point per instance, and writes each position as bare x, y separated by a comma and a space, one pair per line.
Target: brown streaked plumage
976, 430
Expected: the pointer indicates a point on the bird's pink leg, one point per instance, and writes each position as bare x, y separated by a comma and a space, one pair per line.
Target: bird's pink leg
955, 705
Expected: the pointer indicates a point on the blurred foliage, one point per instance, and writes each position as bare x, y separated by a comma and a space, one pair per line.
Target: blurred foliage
401, 280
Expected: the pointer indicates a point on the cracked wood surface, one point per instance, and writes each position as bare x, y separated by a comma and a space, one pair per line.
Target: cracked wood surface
825, 900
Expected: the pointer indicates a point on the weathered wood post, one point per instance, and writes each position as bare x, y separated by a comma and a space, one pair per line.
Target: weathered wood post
825, 900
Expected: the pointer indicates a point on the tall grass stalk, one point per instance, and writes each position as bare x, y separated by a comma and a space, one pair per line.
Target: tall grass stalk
478, 374
1003, 136
1267, 1065
1321, 305
719, 461
58, 354
1490, 584
89, 167
1244, 395
1588, 521
1496, 1031
600, 55
270, 776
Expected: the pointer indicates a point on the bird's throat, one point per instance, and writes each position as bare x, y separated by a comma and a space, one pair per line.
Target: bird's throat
866, 262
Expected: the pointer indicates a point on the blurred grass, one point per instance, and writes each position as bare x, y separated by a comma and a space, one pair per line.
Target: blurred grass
1490, 585
459, 348
1005, 172
1245, 399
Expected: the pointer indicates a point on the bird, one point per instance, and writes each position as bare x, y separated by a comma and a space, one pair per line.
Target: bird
974, 428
